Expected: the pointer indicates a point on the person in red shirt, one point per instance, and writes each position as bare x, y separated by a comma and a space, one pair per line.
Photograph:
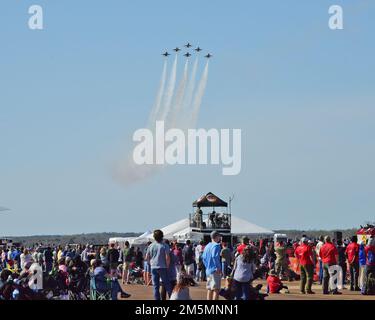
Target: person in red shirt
274, 284
352, 254
241, 247
305, 257
328, 253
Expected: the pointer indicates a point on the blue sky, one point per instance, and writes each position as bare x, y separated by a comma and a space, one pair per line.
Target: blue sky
73, 94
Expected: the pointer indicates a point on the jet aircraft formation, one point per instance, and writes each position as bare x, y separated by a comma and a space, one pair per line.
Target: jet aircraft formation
187, 54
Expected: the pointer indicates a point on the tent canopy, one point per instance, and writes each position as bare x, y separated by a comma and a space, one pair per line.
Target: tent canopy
240, 227
243, 227
209, 200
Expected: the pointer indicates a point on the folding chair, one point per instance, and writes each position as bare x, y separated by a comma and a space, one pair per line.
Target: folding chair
95, 294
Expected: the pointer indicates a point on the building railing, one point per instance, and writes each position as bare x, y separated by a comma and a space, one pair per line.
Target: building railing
211, 220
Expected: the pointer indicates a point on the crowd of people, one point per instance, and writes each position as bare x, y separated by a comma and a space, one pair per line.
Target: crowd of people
171, 268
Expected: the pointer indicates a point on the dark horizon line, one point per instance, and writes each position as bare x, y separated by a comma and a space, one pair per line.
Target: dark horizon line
134, 232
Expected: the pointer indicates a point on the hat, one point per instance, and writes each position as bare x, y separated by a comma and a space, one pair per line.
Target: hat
304, 240
215, 234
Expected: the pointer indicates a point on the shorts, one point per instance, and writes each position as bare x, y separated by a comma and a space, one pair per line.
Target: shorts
146, 267
213, 281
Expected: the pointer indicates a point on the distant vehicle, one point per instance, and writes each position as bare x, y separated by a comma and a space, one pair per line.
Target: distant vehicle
176, 49
166, 54
187, 55
208, 56
198, 49
188, 45
278, 237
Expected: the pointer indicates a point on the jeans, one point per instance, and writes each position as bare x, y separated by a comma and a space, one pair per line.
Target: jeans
354, 274
320, 271
307, 273
242, 290
156, 275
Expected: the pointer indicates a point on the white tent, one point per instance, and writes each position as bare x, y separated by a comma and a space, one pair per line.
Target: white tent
170, 230
143, 238
180, 230
243, 227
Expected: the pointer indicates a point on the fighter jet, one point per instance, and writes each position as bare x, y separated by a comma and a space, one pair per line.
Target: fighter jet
208, 56
198, 49
187, 55
176, 49
166, 54
188, 45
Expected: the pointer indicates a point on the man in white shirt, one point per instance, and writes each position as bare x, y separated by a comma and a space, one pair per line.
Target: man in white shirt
317, 250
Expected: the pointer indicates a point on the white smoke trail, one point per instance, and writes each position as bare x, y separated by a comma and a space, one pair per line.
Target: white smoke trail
127, 172
186, 110
169, 93
179, 98
198, 97
156, 108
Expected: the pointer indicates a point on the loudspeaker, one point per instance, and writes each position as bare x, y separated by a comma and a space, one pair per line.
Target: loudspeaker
337, 235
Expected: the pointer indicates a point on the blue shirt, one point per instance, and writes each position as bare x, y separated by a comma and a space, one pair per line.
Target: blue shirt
157, 253
211, 257
362, 255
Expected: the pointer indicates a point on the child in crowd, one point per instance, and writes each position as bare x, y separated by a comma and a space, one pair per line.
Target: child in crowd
274, 284
181, 290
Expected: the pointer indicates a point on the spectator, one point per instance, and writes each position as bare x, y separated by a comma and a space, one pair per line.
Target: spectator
304, 254
352, 255
211, 260
274, 284
113, 256
181, 290
328, 254
369, 286
342, 259
226, 259
243, 273
188, 258
362, 264
158, 255
127, 259
317, 251
200, 274
281, 259
243, 245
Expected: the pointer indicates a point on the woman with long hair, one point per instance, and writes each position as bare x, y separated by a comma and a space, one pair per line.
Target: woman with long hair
243, 273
